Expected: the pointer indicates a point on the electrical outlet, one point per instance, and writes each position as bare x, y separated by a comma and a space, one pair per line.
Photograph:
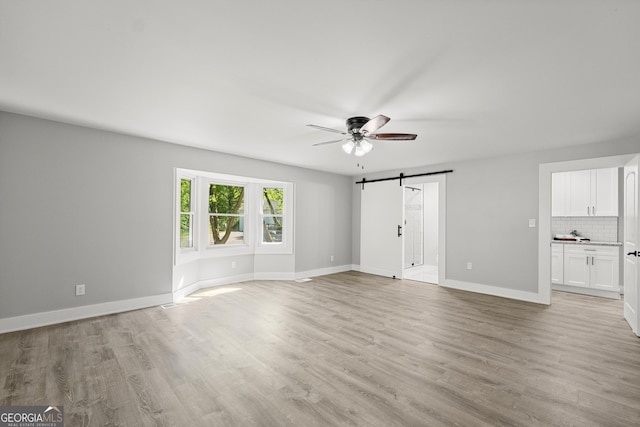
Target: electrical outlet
469, 266
233, 264
532, 223
331, 258
79, 290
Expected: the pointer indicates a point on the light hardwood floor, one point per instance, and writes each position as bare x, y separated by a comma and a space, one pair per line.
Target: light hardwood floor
346, 349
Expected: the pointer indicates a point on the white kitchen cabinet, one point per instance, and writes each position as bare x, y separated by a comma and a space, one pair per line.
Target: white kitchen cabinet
576, 268
585, 193
578, 193
605, 271
591, 266
604, 193
557, 263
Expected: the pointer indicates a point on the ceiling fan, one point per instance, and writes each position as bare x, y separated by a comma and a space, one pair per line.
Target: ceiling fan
360, 130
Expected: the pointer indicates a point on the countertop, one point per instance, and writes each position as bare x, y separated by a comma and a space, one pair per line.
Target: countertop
571, 242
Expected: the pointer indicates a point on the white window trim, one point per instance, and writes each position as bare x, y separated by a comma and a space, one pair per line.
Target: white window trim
183, 255
286, 246
253, 217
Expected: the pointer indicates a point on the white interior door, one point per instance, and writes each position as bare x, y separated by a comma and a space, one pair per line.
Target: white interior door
630, 254
381, 219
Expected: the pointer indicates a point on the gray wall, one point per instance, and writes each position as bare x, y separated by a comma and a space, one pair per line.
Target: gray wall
489, 203
430, 192
79, 205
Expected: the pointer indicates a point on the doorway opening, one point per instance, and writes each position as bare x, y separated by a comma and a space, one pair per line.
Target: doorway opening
545, 214
421, 235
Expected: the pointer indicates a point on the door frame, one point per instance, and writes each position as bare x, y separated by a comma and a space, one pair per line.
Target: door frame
406, 230
441, 180
631, 294
544, 210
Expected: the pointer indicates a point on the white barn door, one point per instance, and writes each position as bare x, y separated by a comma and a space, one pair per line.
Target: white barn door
381, 220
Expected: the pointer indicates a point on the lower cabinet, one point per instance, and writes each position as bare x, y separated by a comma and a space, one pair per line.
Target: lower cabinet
557, 263
590, 266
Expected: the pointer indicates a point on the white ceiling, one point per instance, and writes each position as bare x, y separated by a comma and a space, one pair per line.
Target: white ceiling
471, 78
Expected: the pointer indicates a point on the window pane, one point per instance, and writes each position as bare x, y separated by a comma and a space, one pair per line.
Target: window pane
185, 195
226, 230
272, 201
226, 199
186, 231
272, 229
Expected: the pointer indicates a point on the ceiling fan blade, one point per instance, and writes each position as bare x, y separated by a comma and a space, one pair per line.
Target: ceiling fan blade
393, 136
374, 124
328, 129
330, 142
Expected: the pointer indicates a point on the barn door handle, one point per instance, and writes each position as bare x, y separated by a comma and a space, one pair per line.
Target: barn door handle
634, 253
399, 230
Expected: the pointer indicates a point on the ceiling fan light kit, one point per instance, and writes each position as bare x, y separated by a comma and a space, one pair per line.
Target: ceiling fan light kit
357, 148
348, 146
360, 129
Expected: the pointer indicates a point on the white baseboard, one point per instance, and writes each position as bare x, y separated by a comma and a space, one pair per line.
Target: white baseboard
586, 291
46, 318
323, 271
36, 320
194, 287
273, 276
471, 287
494, 290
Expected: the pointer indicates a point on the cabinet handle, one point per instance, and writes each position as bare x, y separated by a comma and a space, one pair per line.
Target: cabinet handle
593, 210
588, 211
593, 261
587, 260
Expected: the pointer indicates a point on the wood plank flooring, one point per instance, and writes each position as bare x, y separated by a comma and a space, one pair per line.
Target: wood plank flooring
348, 349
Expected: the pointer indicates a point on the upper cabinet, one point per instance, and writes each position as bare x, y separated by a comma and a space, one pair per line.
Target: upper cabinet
605, 192
578, 193
585, 193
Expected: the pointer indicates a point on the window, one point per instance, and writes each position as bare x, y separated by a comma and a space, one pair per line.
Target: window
219, 215
226, 214
272, 214
186, 213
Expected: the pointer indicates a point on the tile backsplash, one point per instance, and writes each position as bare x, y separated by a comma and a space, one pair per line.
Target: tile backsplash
598, 229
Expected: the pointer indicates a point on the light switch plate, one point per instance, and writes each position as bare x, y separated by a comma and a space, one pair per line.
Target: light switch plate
532, 222
79, 290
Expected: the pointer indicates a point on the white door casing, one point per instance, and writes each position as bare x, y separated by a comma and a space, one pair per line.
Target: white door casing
381, 240
631, 229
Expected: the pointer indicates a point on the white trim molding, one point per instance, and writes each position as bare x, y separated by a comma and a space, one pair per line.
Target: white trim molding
324, 271
209, 283
36, 320
494, 291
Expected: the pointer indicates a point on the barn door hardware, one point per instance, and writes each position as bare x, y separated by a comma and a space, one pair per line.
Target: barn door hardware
401, 177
